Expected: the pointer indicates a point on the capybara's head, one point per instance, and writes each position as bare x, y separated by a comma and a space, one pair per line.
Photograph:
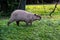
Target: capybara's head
37, 17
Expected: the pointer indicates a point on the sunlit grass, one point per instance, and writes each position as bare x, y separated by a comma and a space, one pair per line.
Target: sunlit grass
40, 9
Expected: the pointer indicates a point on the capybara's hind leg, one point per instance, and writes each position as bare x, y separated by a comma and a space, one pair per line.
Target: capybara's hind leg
17, 22
10, 22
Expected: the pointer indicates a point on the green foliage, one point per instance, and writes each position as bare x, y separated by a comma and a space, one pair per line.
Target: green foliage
11, 6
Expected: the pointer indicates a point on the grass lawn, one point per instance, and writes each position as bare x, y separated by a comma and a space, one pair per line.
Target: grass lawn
45, 29
40, 9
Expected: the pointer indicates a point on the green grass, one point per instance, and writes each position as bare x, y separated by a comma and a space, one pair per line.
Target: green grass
40, 9
45, 29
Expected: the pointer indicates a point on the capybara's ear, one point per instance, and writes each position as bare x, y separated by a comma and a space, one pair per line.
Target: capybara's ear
35, 14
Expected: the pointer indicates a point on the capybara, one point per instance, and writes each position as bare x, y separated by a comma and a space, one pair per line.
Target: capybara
22, 15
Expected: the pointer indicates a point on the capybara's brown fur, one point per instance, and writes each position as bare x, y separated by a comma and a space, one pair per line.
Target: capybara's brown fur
21, 15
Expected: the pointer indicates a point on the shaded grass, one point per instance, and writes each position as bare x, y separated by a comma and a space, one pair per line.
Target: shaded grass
45, 29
